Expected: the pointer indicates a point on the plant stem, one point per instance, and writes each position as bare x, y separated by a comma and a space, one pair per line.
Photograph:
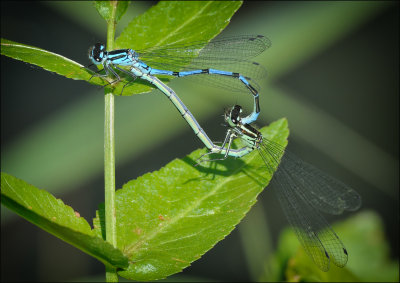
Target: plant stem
109, 178
109, 160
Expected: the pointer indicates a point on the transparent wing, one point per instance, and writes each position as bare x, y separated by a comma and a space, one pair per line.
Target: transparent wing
226, 54
226, 50
302, 190
323, 192
316, 236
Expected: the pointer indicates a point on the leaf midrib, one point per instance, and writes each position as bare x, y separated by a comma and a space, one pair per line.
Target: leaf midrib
39, 50
181, 26
16, 193
131, 248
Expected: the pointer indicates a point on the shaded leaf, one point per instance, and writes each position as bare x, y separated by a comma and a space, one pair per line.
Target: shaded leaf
52, 215
170, 218
48, 60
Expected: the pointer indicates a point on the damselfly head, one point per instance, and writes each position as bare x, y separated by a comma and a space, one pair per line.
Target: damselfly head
232, 115
97, 53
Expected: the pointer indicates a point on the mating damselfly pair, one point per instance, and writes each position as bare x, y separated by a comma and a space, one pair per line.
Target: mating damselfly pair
302, 189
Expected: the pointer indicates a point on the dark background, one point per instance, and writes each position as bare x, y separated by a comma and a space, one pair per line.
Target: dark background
353, 80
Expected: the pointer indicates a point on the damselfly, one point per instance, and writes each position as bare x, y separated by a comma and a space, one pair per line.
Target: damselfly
210, 60
302, 190
186, 114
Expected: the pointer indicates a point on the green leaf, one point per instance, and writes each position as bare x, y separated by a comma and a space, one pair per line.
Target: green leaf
48, 60
170, 218
105, 9
52, 215
174, 22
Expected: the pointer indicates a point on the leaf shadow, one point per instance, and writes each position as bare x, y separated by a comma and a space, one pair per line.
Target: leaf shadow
226, 168
102, 219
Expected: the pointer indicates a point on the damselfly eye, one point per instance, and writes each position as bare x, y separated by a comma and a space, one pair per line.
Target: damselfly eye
97, 52
99, 47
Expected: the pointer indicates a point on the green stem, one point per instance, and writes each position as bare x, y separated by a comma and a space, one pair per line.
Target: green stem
109, 179
109, 159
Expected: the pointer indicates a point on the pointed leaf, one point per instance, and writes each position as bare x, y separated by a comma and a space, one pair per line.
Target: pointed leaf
52, 215
48, 60
170, 218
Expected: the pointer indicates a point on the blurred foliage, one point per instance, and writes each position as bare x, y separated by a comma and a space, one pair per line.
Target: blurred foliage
368, 249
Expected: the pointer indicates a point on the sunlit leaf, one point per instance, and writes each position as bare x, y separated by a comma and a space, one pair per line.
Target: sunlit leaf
171, 217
